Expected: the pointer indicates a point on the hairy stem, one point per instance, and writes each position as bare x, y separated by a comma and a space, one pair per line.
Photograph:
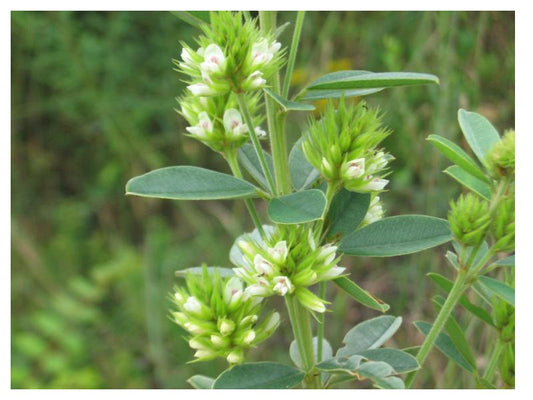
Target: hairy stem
303, 336
455, 294
231, 158
255, 141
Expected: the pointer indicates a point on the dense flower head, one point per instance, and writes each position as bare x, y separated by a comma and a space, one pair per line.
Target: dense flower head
469, 219
501, 158
343, 146
286, 263
503, 224
220, 317
217, 122
233, 56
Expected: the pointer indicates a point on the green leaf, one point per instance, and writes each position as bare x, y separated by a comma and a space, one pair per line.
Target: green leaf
288, 105
336, 94
201, 382
360, 295
399, 360
398, 235
294, 353
479, 133
303, 174
224, 272
498, 288
189, 183
379, 372
458, 156
344, 80
446, 285
456, 333
341, 364
249, 160
194, 18
469, 181
446, 346
346, 212
505, 262
261, 375
297, 208
369, 334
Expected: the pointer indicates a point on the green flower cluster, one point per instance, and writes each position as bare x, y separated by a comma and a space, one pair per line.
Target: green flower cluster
501, 159
216, 121
503, 224
469, 219
220, 317
343, 146
233, 56
286, 264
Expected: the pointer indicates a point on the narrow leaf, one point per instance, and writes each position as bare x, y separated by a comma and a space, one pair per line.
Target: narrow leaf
288, 105
360, 295
457, 155
366, 80
505, 262
399, 360
223, 272
303, 174
446, 346
498, 288
189, 183
249, 160
201, 382
446, 285
469, 181
346, 212
314, 95
369, 334
398, 235
194, 18
297, 208
479, 133
456, 333
261, 375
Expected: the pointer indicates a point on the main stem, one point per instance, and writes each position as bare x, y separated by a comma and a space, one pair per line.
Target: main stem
455, 294
301, 327
493, 362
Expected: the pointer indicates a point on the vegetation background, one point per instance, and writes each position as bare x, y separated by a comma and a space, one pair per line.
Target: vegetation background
93, 99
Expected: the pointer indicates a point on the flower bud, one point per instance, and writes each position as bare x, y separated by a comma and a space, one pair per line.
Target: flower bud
282, 285
201, 89
503, 225
501, 158
469, 219
192, 305
279, 252
263, 266
235, 357
225, 326
220, 341
310, 300
332, 273
353, 169
374, 184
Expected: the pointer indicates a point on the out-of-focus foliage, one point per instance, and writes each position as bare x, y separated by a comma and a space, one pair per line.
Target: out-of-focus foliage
93, 98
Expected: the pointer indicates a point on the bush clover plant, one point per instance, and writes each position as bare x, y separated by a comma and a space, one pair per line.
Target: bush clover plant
324, 203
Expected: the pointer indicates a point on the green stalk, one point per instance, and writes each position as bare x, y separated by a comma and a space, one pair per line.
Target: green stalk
321, 317
231, 158
301, 327
292, 55
255, 141
493, 362
276, 126
455, 294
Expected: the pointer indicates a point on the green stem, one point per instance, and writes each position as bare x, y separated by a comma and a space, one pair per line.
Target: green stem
255, 141
276, 126
301, 328
231, 158
321, 317
292, 55
493, 362
455, 294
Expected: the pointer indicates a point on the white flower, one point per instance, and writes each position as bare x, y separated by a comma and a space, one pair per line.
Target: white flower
233, 290
375, 211
201, 89
261, 288
260, 132
282, 285
279, 252
262, 52
355, 168
194, 329
214, 59
256, 80
262, 265
327, 253
195, 344
186, 56
203, 127
332, 273
226, 326
179, 297
233, 123
249, 337
192, 305
234, 357
375, 183
203, 353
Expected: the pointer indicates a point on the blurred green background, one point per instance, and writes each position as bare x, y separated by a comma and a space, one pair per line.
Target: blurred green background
93, 99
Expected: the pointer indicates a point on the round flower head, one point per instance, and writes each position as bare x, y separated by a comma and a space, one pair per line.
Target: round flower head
285, 264
233, 56
216, 121
221, 319
343, 146
469, 219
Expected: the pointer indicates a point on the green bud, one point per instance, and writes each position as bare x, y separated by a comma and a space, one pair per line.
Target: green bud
226, 326
503, 225
235, 357
501, 158
220, 341
310, 300
469, 219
